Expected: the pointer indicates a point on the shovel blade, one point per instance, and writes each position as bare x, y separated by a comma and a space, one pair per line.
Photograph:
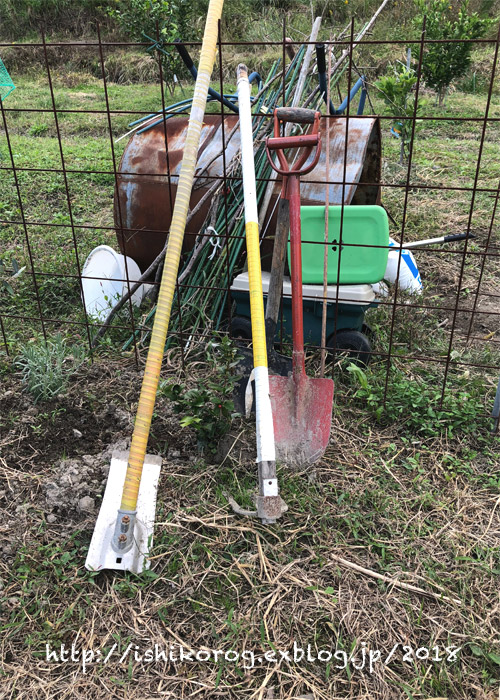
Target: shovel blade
302, 417
101, 555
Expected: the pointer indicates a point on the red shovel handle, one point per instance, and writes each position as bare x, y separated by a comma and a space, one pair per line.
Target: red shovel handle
307, 141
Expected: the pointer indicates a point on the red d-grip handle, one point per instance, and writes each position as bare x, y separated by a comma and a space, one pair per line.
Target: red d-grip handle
306, 141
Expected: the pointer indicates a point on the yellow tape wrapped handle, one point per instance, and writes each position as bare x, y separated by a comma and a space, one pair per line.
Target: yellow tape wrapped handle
172, 258
251, 220
263, 412
256, 295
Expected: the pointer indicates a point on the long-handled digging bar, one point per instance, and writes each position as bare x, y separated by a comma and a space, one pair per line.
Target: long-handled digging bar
269, 503
123, 532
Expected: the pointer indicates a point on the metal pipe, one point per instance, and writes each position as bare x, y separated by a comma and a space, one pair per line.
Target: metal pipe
269, 502
359, 84
323, 86
440, 239
188, 62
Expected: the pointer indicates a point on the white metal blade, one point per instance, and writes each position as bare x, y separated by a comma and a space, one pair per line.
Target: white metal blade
101, 555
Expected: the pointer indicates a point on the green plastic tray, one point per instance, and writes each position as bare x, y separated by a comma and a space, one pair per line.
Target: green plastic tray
364, 225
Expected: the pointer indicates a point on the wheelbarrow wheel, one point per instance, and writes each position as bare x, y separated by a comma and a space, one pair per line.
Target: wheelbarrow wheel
354, 345
241, 328
368, 331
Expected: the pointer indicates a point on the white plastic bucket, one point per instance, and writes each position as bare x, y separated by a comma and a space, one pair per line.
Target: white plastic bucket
409, 276
104, 281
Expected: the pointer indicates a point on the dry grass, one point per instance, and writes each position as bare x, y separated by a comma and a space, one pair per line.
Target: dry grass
219, 581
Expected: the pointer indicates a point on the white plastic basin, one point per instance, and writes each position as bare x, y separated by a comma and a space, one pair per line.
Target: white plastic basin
104, 281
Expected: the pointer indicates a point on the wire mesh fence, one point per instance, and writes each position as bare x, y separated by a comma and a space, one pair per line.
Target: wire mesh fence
97, 165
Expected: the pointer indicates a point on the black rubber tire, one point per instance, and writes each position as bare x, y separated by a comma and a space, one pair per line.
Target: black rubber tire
241, 327
354, 344
368, 331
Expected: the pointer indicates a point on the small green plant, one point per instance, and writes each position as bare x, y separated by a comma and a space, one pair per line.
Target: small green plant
397, 92
39, 130
445, 62
415, 403
7, 275
47, 366
206, 403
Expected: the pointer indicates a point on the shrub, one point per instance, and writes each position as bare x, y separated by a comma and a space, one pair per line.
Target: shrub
397, 91
445, 62
140, 17
143, 20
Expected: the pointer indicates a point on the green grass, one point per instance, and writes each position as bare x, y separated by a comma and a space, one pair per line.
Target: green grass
86, 146
445, 154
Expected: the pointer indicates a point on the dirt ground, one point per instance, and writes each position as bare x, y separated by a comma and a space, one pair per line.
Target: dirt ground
75, 434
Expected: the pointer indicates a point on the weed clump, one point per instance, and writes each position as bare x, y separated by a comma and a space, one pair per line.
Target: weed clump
415, 404
47, 366
206, 402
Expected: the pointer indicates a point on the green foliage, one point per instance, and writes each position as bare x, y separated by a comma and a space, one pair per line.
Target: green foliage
415, 404
397, 88
19, 18
139, 17
207, 405
142, 20
445, 62
173, 19
47, 367
39, 130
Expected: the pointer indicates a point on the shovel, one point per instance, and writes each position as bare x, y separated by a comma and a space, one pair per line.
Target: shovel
302, 407
277, 363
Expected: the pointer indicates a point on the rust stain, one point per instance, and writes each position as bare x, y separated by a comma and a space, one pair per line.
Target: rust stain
142, 201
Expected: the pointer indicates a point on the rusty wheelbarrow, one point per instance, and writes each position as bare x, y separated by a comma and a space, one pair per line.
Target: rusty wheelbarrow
302, 407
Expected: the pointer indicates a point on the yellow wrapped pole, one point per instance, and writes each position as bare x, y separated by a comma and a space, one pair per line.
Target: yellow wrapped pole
167, 289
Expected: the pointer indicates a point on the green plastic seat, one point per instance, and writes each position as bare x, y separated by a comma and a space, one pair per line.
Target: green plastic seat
365, 225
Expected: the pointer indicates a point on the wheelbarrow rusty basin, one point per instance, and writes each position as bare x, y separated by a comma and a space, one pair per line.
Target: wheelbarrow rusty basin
148, 175
302, 417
